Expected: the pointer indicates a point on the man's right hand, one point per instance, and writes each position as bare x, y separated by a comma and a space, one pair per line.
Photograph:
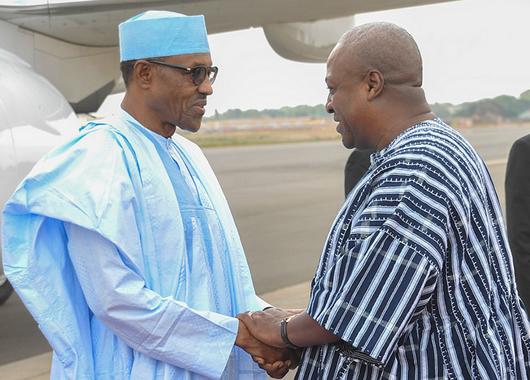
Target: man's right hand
276, 361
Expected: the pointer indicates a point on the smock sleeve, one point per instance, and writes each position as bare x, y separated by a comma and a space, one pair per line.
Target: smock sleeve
162, 328
381, 264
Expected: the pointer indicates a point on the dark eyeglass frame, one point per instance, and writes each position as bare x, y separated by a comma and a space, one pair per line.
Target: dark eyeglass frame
198, 73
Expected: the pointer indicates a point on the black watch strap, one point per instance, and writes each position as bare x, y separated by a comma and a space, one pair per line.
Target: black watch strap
283, 331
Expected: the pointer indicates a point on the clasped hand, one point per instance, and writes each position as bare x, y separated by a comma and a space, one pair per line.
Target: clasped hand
259, 335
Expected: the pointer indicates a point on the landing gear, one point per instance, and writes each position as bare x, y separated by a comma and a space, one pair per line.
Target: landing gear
5, 289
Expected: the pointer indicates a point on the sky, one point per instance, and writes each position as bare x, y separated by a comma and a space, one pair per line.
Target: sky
471, 49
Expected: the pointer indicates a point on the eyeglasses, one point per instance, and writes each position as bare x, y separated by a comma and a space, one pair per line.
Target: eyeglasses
198, 73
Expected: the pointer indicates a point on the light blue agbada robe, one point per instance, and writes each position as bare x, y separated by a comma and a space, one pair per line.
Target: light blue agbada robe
129, 271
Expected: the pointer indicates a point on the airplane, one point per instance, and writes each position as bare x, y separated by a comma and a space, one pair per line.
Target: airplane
59, 58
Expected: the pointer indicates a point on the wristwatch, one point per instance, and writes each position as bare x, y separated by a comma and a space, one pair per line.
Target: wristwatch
283, 331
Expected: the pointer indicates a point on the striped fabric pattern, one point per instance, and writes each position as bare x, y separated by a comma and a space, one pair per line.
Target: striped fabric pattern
416, 276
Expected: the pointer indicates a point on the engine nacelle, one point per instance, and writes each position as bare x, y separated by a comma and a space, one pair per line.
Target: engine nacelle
307, 41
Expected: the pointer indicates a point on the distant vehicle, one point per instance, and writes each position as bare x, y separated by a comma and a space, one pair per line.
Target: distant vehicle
34, 117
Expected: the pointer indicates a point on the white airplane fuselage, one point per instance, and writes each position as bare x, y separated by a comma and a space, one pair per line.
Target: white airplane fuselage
34, 117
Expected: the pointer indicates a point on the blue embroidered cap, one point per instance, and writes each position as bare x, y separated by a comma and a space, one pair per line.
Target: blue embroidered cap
162, 34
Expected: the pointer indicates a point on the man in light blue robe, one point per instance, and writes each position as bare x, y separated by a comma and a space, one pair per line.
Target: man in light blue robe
121, 243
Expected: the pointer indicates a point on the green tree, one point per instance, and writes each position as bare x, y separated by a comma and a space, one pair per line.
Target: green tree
503, 106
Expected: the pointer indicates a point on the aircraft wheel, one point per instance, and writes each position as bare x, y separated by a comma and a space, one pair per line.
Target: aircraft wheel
5, 291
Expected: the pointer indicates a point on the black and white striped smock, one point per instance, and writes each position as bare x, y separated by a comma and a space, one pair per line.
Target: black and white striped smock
416, 276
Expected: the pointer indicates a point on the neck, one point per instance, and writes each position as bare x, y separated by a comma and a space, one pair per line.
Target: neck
148, 121
396, 129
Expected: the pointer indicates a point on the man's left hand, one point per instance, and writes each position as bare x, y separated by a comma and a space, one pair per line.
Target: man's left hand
276, 361
266, 325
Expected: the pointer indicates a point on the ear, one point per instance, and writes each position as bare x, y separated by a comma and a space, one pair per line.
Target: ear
144, 73
375, 82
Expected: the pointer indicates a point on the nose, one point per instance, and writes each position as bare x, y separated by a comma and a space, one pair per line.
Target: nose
206, 87
329, 105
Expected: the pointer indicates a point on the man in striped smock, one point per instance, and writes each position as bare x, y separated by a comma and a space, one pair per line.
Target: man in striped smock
416, 279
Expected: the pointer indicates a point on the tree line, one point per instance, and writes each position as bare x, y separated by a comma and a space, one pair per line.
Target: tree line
500, 108
314, 112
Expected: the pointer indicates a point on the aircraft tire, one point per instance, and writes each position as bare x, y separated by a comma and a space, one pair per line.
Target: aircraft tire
5, 291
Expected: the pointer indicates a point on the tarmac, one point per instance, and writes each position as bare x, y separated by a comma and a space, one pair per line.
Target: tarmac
38, 367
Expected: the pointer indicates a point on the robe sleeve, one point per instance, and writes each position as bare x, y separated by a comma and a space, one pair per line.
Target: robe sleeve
380, 278
162, 328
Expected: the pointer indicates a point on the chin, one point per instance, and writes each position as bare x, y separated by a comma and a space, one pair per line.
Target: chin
348, 144
191, 127
190, 130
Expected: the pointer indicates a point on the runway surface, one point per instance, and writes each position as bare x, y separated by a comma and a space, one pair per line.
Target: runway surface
284, 198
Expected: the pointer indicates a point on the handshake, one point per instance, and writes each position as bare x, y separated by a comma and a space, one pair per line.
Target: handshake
260, 335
